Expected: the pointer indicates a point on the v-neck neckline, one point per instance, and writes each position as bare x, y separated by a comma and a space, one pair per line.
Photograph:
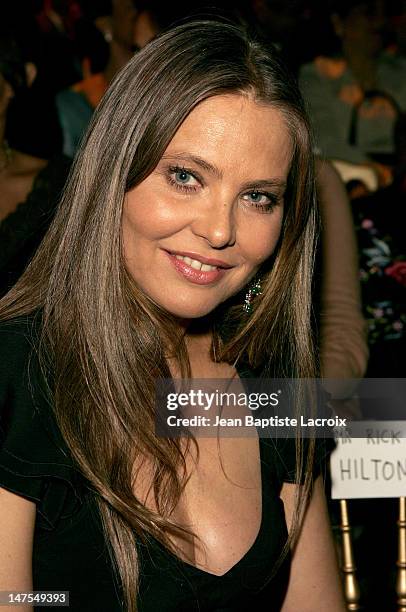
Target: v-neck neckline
194, 569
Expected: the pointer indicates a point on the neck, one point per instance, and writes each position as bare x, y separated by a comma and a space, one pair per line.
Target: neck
197, 334
199, 339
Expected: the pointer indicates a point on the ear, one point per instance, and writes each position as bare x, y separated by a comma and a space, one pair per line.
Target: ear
337, 24
30, 73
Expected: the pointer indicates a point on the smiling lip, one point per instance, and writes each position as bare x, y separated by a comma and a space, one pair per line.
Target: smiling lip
205, 260
197, 277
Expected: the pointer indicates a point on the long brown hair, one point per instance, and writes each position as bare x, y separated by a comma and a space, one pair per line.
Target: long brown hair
104, 339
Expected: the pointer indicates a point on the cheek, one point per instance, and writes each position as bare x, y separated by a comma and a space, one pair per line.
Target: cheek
261, 241
150, 217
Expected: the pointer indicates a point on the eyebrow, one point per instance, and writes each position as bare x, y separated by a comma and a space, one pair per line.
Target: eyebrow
205, 165
199, 161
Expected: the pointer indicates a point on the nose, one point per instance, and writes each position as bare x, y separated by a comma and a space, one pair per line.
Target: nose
216, 223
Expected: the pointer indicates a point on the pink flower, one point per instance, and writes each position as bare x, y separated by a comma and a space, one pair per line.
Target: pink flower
398, 325
398, 272
367, 223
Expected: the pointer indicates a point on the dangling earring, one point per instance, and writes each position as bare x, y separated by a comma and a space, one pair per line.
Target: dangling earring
254, 290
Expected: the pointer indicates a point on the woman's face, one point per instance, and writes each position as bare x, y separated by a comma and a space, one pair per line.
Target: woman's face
197, 229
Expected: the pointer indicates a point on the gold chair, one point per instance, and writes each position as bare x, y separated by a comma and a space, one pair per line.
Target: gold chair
348, 567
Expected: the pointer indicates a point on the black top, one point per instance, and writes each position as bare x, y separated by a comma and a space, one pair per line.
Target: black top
70, 552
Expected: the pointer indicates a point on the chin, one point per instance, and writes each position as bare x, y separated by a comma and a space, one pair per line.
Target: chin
189, 310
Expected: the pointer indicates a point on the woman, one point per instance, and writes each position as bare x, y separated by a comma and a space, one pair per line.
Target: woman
194, 178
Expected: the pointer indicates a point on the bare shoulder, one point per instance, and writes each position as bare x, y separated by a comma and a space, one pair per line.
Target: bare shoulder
314, 577
17, 522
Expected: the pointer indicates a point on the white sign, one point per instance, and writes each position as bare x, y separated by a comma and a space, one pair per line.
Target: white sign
373, 465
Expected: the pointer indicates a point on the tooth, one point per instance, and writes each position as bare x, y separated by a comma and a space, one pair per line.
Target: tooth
195, 263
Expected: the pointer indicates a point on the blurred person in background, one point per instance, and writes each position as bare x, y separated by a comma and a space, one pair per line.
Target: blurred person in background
29, 183
32, 122
356, 94
105, 47
57, 22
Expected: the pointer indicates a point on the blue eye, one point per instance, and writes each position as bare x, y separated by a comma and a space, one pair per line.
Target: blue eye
183, 179
256, 196
261, 200
182, 176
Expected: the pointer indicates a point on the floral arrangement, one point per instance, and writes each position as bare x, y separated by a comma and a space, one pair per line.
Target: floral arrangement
383, 282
